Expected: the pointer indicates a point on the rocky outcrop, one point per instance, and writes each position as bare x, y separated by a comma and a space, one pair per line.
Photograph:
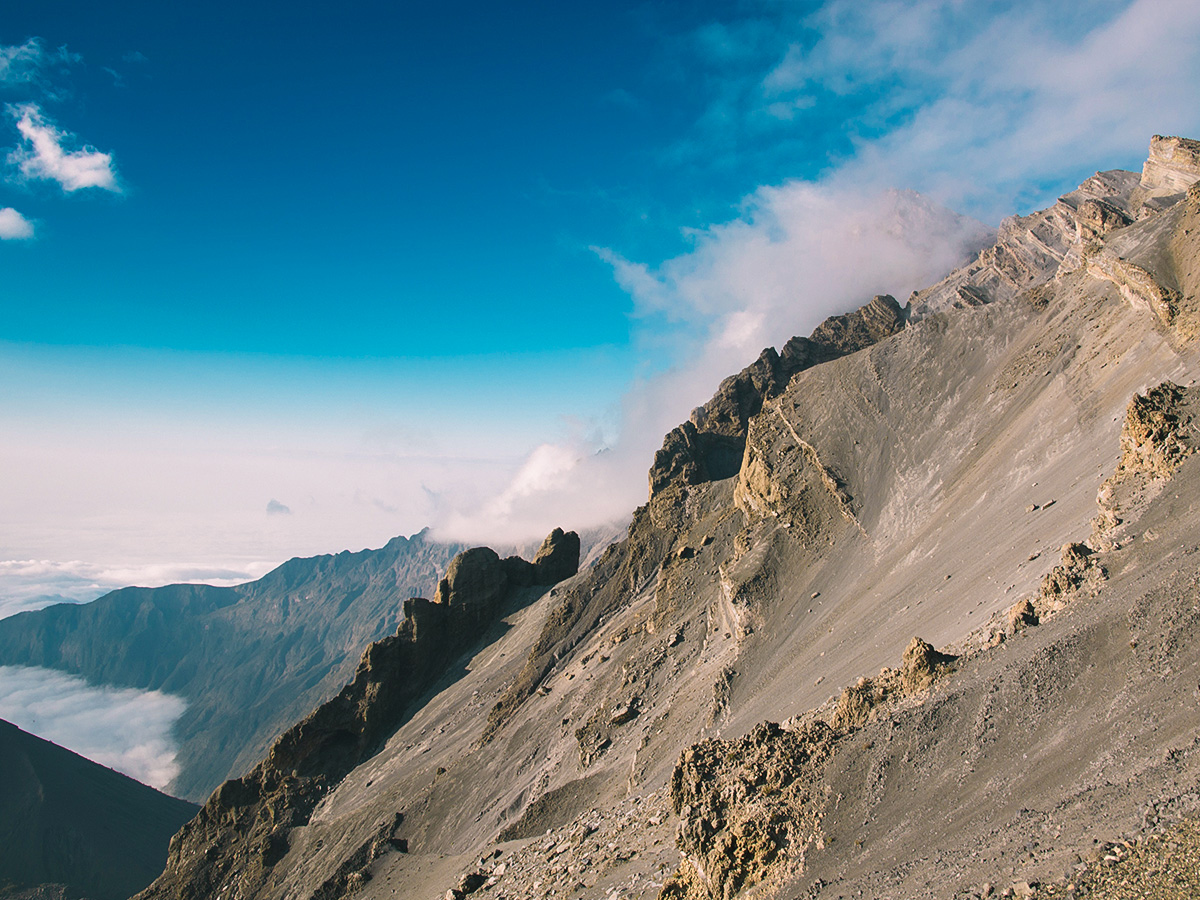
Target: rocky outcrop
920, 667
747, 808
1172, 166
1156, 437
558, 557
242, 831
710, 445
849, 333
1031, 250
250, 660
1139, 288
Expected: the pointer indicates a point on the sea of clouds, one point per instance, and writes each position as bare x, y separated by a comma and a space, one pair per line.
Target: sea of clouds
122, 728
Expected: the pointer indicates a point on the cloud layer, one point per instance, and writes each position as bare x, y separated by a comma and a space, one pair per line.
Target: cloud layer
27, 584
125, 729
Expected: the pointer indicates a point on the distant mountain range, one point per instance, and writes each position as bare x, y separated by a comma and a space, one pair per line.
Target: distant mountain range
249, 660
76, 828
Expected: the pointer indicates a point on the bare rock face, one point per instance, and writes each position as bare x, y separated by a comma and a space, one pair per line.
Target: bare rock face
1171, 168
241, 833
1030, 250
475, 579
1156, 437
558, 557
710, 446
1078, 569
857, 330
920, 668
922, 665
1137, 285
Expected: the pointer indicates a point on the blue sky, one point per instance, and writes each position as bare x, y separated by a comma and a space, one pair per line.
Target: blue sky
283, 281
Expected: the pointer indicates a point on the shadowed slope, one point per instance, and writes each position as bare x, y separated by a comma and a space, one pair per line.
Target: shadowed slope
68, 821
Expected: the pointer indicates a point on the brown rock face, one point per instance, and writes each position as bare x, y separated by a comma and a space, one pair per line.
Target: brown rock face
745, 807
1156, 437
921, 665
557, 558
839, 335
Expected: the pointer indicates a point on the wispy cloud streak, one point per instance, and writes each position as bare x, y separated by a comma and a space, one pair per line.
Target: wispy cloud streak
44, 157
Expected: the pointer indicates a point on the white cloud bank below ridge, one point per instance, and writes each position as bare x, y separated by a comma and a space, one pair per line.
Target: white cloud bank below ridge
28, 584
122, 728
979, 105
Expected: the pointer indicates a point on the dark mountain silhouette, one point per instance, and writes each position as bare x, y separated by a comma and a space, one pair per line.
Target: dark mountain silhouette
68, 822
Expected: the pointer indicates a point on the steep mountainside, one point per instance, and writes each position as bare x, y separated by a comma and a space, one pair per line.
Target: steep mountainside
86, 830
246, 826
250, 660
953, 552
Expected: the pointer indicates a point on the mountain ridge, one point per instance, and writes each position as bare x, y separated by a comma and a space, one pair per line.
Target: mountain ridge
249, 659
908, 488
1004, 470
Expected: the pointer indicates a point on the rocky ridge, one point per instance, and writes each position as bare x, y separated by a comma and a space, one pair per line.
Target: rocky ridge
243, 829
250, 660
921, 484
1031, 250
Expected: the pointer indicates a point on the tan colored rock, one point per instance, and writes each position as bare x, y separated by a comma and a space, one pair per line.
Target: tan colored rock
922, 665
1172, 167
1021, 615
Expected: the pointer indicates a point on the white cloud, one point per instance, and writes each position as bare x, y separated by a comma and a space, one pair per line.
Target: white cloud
43, 156
28, 63
14, 226
972, 101
123, 728
275, 508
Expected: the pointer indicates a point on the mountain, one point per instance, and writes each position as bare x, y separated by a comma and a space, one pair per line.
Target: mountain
74, 828
250, 660
911, 611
